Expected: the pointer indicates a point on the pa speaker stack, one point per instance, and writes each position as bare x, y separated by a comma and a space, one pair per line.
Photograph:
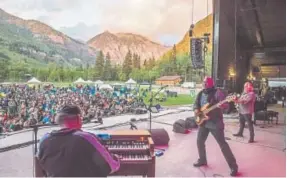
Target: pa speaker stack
183, 126
179, 126
160, 137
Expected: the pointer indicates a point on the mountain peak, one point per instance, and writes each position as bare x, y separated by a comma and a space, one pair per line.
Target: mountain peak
6, 16
107, 32
36, 36
2, 10
120, 43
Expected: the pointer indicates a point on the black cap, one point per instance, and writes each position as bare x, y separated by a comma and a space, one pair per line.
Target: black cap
70, 109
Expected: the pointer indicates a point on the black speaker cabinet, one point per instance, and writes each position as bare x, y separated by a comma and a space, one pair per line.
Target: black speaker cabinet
160, 137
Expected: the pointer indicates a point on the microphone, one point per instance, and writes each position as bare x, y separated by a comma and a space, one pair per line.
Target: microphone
133, 126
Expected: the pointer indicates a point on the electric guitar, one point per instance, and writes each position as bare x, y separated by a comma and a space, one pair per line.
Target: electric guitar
201, 115
242, 97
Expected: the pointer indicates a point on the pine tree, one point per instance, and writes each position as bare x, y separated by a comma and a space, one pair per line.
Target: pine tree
127, 65
174, 65
152, 62
134, 60
138, 62
99, 67
107, 68
115, 72
145, 64
149, 63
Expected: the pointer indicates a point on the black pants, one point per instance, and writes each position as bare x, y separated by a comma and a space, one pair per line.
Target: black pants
218, 134
248, 118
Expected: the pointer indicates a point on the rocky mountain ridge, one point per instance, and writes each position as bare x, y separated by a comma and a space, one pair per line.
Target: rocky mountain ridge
118, 45
41, 42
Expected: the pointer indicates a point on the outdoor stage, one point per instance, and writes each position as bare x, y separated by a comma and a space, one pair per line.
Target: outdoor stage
264, 158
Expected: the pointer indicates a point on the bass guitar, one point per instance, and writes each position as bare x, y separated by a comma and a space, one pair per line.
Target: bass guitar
201, 115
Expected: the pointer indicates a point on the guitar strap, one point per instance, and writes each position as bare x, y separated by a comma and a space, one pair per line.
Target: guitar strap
211, 98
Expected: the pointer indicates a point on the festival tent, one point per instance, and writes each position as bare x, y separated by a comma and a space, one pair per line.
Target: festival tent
7, 83
34, 81
131, 81
106, 87
2, 95
89, 82
99, 82
80, 81
118, 84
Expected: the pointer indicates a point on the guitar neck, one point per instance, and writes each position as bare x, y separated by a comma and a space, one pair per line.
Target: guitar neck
213, 107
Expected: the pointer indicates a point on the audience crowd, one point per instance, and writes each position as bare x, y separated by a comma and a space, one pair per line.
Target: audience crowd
22, 106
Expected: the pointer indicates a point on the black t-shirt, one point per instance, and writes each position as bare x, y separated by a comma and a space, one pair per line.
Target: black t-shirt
74, 153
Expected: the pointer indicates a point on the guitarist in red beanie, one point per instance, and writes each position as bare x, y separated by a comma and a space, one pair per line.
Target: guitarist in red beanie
212, 96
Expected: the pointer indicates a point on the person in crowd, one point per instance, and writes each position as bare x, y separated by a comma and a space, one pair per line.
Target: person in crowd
40, 106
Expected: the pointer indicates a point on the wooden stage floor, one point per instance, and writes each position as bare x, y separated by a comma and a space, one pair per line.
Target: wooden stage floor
264, 158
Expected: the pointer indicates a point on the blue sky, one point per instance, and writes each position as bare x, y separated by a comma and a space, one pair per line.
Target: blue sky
164, 21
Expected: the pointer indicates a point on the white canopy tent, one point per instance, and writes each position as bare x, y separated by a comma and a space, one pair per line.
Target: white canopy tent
89, 82
6, 83
131, 82
106, 87
99, 82
80, 81
118, 84
34, 81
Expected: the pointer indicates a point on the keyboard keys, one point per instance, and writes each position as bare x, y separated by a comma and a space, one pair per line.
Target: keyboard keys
128, 147
139, 157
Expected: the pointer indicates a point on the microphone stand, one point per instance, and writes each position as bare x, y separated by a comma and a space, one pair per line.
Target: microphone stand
36, 169
151, 102
35, 149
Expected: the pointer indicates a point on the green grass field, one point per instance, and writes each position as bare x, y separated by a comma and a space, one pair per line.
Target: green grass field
181, 99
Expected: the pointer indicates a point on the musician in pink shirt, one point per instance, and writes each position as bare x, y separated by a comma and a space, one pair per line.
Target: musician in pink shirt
246, 110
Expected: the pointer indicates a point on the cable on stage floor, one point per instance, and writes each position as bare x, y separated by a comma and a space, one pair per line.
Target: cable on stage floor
158, 122
203, 173
217, 175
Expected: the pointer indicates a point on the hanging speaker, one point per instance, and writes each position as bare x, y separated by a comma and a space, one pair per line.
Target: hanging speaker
196, 53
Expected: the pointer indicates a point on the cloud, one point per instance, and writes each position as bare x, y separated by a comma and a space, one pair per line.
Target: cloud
146, 17
45, 5
168, 40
